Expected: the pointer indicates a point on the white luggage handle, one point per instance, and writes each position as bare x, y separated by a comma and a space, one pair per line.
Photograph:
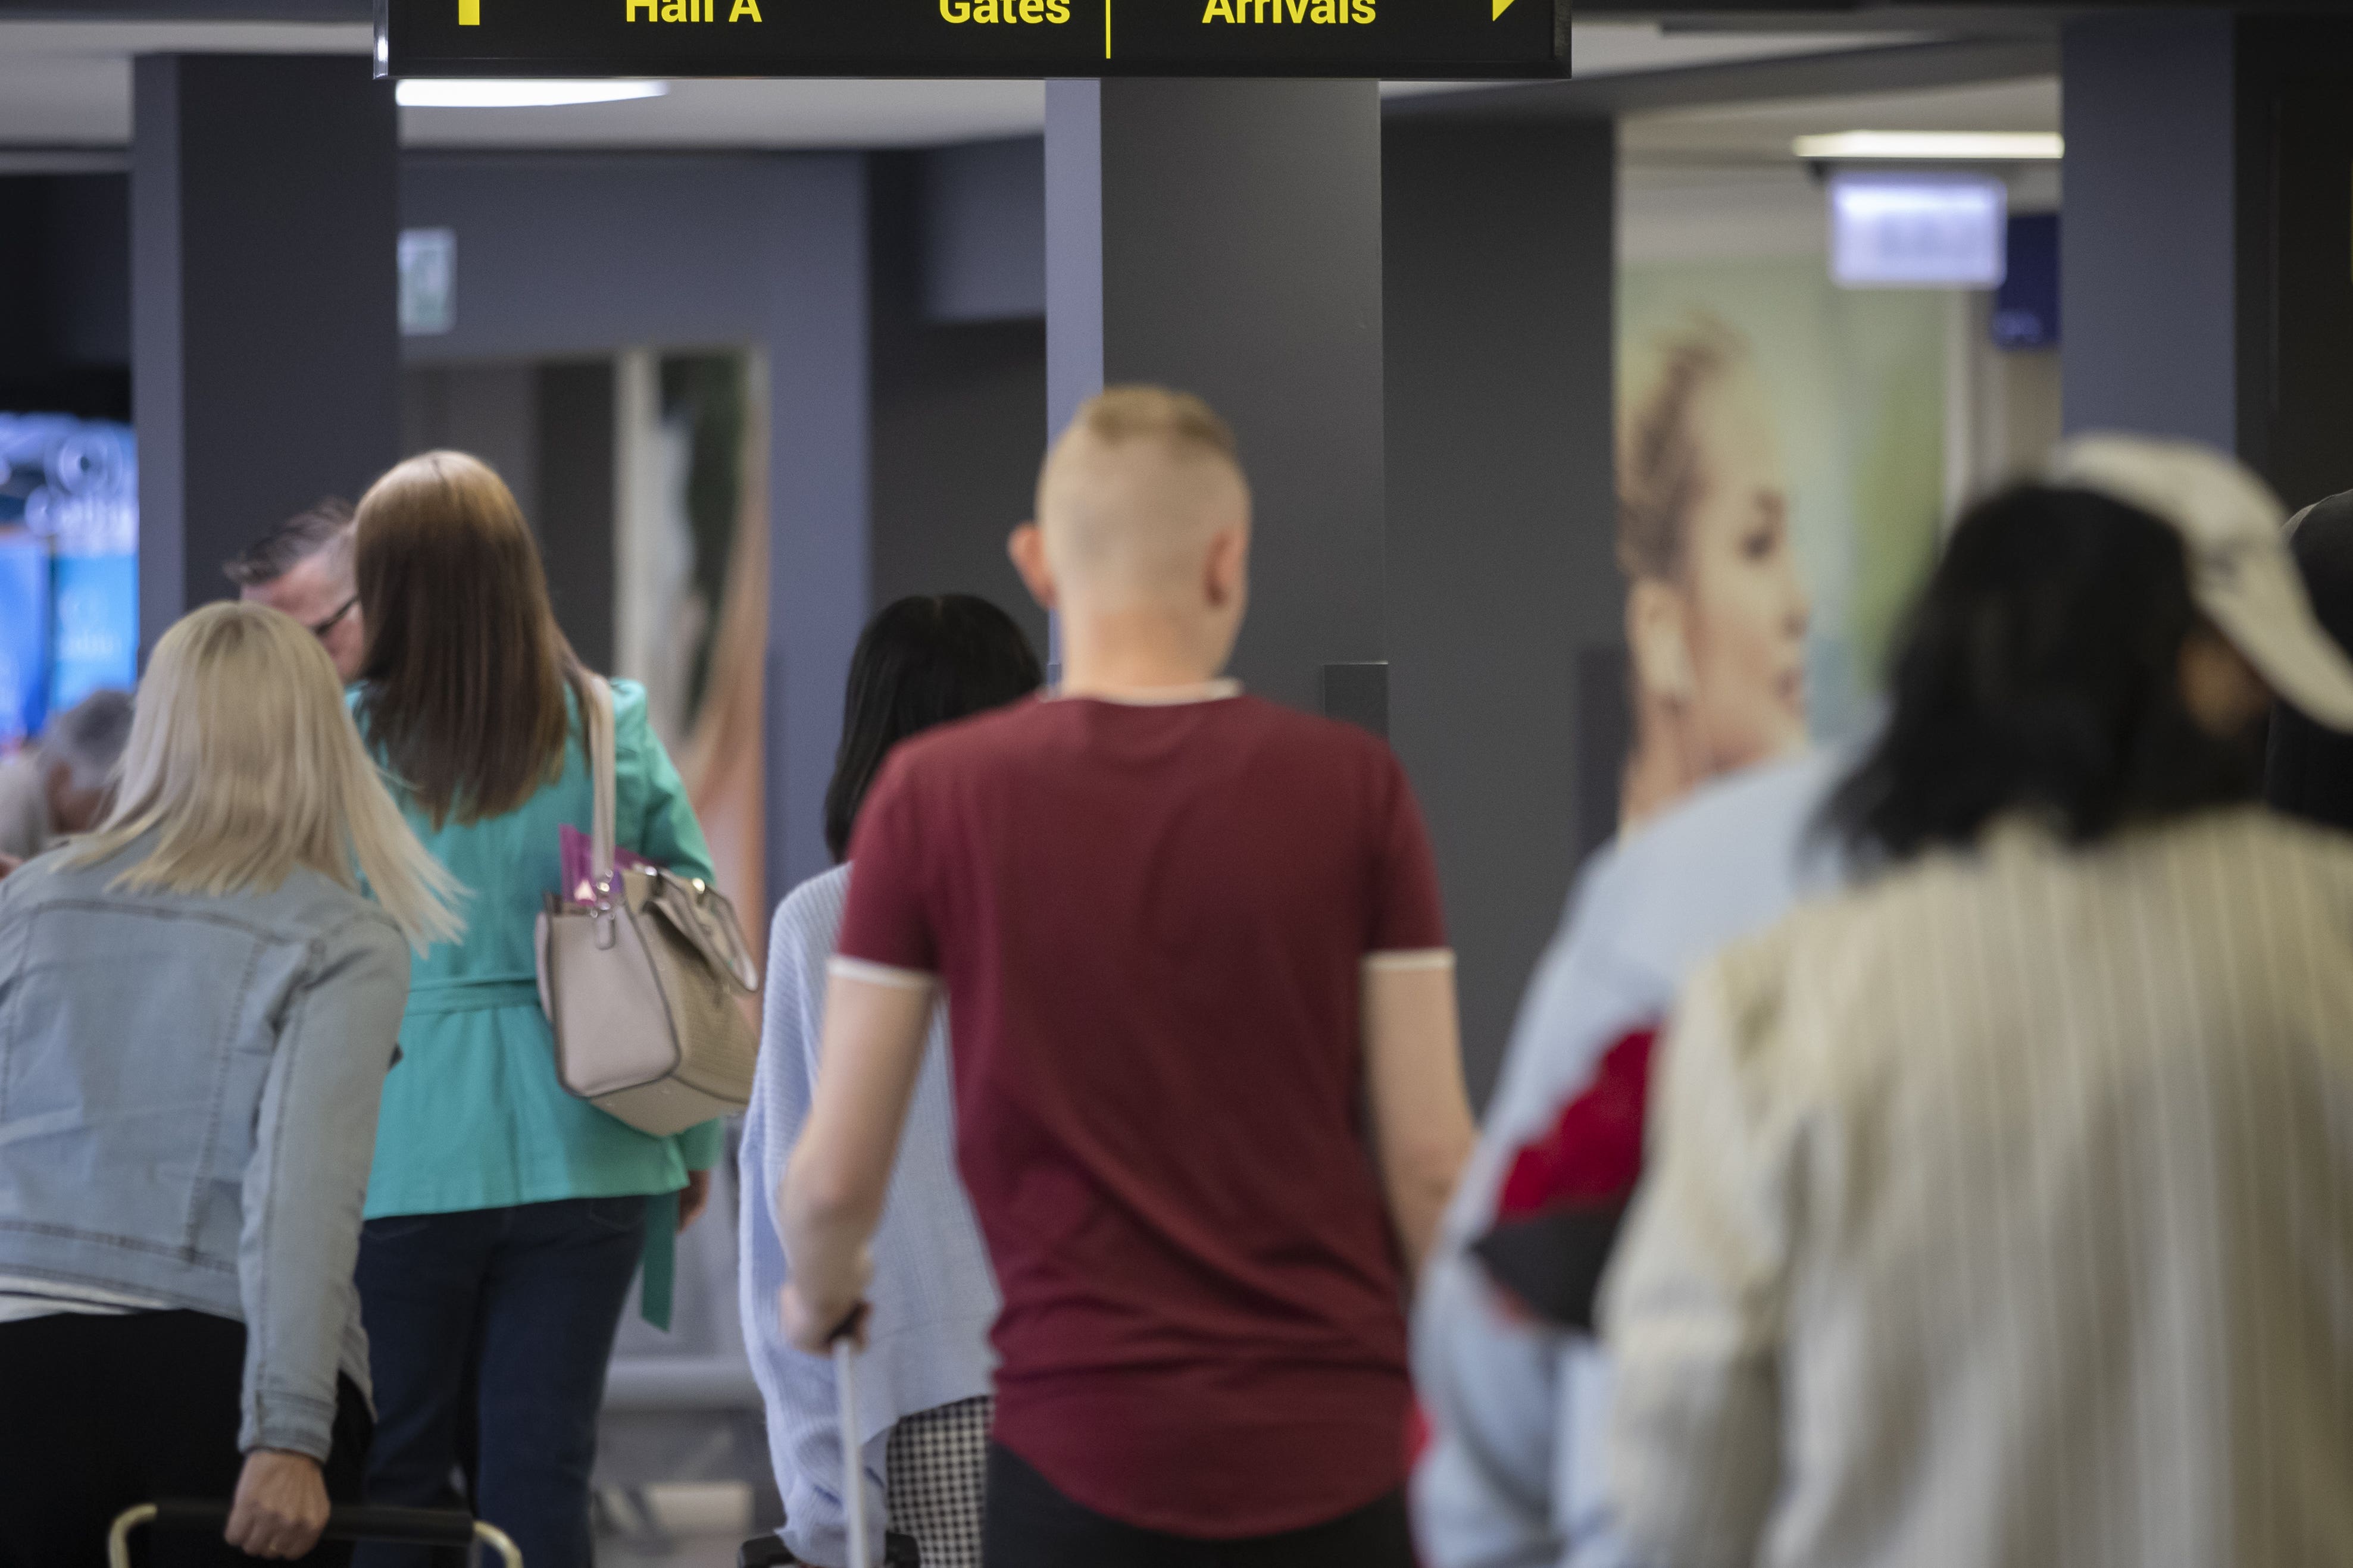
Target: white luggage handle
853, 1457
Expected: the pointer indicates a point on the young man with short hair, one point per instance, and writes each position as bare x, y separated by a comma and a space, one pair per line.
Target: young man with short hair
1209, 1096
303, 567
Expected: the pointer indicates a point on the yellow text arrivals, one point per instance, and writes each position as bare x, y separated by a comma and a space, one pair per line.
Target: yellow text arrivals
1325, 12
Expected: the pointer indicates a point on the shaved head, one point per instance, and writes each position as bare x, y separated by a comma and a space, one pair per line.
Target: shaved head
1135, 492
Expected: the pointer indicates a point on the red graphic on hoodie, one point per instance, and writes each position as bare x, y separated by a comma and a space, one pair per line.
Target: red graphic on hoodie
1593, 1154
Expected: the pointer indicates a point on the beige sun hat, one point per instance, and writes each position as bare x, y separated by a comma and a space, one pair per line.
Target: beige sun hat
2241, 572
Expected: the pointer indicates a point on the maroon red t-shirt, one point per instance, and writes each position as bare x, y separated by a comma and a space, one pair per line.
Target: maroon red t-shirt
1151, 924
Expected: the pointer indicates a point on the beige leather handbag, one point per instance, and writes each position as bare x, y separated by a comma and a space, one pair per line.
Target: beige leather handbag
644, 984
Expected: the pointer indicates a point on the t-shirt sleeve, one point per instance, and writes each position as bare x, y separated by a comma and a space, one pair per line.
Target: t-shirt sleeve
887, 921
1407, 914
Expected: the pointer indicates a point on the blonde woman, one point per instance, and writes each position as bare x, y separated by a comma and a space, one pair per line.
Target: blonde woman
505, 1218
1716, 612
197, 1006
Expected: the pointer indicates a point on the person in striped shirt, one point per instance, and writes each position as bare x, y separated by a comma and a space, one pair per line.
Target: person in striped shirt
2000, 1211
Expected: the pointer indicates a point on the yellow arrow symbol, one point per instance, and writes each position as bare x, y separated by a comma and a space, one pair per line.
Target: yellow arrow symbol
1501, 6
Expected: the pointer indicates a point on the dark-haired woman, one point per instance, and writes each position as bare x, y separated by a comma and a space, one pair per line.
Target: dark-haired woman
505, 1218
1996, 1212
924, 1397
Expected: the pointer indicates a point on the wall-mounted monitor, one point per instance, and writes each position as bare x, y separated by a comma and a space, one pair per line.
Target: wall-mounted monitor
69, 565
1892, 230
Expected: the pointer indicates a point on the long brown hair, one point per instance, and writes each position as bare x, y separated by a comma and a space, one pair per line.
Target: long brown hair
462, 690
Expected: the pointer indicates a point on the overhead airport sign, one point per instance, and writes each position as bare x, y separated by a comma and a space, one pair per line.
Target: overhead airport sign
1435, 39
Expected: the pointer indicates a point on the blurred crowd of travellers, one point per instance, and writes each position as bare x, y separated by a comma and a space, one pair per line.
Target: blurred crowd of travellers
1937, 1150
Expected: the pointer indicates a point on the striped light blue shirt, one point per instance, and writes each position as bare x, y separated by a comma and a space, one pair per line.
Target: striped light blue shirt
933, 1296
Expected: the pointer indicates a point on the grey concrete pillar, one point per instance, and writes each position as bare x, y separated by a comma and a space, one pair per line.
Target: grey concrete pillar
2149, 266
2203, 248
265, 330
1224, 238
955, 401
818, 496
1500, 269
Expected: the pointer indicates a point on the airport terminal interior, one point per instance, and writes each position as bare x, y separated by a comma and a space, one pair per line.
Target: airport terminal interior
760, 353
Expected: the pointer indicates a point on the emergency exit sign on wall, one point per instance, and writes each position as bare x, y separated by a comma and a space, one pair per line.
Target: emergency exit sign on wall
1432, 40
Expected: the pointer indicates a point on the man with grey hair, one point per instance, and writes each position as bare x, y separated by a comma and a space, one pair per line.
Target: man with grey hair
303, 567
60, 786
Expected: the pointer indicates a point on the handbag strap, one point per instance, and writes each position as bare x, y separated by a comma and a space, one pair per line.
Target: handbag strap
598, 714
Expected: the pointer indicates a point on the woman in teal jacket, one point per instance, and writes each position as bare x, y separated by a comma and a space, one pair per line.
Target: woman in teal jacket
505, 1218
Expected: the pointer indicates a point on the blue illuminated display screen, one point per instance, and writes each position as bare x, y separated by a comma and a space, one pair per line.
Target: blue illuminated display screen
68, 566
24, 635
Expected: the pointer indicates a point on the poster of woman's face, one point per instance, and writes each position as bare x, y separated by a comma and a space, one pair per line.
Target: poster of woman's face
1715, 613
1779, 471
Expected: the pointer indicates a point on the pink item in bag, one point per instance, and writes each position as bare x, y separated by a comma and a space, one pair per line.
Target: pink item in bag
580, 860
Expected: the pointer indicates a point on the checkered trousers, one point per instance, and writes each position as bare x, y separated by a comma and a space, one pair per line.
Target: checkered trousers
938, 1463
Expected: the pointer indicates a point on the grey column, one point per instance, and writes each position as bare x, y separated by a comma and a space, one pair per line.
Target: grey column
955, 399
1500, 287
265, 329
2204, 249
1224, 238
818, 453
2149, 271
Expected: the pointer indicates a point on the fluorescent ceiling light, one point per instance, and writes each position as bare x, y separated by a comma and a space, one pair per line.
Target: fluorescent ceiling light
432, 92
1932, 146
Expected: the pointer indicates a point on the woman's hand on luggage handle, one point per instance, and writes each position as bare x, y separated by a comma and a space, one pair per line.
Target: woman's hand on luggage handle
813, 1326
693, 1198
281, 1505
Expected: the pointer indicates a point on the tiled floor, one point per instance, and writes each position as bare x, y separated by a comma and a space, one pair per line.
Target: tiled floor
685, 1552
675, 1526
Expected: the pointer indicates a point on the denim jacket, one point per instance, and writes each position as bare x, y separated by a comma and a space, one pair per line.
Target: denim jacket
188, 1091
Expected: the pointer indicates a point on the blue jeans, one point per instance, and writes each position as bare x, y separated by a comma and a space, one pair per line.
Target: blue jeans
488, 1331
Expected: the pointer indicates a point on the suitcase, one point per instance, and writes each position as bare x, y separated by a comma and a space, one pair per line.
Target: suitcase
767, 1551
404, 1526
898, 1550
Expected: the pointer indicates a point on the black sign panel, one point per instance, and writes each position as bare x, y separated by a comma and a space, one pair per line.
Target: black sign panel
1441, 39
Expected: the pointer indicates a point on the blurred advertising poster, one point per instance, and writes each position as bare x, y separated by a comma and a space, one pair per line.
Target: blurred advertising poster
70, 508
1781, 473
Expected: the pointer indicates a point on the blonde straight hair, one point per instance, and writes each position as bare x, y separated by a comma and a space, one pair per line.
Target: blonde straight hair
245, 763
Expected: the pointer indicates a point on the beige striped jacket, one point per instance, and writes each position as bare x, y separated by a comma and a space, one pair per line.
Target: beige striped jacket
2001, 1212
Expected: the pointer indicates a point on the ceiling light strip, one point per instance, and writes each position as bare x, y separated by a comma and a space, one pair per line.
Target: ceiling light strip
1931, 147
433, 93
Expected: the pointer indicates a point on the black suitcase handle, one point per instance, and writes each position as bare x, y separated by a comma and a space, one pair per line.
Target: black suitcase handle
770, 1552
402, 1526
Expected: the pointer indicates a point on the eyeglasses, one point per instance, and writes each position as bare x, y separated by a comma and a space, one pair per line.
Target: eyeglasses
321, 628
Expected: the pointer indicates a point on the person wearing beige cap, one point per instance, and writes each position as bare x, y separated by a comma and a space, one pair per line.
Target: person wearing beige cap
2000, 1210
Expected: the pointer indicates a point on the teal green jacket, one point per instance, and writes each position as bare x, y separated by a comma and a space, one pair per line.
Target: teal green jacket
473, 1116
